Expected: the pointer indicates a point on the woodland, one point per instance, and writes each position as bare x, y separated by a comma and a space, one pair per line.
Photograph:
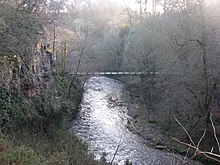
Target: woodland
42, 41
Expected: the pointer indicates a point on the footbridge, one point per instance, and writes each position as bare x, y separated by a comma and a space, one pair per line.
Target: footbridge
114, 73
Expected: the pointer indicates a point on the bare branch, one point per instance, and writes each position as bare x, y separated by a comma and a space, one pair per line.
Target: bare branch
185, 131
185, 158
201, 138
116, 151
214, 131
209, 155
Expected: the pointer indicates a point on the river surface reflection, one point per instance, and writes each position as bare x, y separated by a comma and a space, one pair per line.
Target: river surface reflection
102, 124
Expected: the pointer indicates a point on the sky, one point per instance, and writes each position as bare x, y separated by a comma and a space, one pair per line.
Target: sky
131, 3
135, 6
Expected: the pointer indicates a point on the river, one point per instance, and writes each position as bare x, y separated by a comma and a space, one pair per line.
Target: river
102, 124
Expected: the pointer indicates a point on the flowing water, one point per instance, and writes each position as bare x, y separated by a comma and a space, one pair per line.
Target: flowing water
102, 124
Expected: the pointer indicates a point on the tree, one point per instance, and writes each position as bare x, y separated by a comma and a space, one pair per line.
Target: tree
182, 51
56, 6
32, 6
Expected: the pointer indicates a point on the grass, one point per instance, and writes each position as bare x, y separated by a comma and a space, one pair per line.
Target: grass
57, 148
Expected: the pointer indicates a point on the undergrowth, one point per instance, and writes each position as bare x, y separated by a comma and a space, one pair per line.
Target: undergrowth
55, 148
33, 130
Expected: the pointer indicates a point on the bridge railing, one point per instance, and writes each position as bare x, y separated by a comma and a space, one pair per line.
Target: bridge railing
116, 73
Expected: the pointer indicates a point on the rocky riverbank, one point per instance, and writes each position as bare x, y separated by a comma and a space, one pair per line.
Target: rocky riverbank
154, 134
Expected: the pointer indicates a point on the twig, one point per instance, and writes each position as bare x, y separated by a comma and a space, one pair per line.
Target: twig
185, 131
206, 154
185, 158
201, 139
209, 155
116, 151
178, 157
212, 154
214, 131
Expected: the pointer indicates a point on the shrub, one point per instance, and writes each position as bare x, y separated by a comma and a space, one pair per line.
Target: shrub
15, 111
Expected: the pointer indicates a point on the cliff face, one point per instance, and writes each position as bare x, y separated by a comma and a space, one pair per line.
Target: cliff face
31, 76
26, 64
42, 70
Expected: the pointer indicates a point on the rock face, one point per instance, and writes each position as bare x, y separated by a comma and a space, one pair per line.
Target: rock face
35, 75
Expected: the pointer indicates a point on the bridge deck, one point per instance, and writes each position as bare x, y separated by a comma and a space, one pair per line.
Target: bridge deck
116, 73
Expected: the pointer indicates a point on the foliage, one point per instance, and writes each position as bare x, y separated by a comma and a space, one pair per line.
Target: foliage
44, 111
56, 6
19, 32
21, 155
15, 111
58, 147
36, 121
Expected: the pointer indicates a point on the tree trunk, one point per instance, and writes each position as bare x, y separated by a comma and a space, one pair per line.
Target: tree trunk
205, 76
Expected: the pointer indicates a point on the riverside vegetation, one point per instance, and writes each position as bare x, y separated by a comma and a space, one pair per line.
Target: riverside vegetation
34, 109
37, 95
33, 130
178, 38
